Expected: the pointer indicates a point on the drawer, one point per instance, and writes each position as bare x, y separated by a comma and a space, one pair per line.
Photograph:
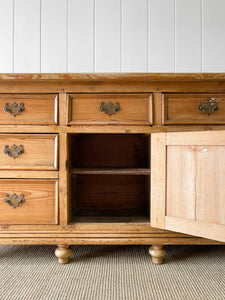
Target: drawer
36, 199
193, 108
29, 151
133, 109
32, 109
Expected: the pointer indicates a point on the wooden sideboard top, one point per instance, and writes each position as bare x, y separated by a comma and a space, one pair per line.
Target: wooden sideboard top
114, 76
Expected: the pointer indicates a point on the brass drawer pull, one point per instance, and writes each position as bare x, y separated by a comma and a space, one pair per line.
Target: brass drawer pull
109, 108
14, 200
14, 109
208, 106
13, 151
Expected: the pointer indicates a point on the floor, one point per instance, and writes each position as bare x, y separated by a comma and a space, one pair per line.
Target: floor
112, 272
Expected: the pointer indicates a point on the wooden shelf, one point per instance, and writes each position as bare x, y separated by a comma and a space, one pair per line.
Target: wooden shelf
136, 171
110, 216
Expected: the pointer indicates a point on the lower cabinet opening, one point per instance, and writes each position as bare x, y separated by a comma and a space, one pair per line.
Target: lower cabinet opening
110, 198
109, 178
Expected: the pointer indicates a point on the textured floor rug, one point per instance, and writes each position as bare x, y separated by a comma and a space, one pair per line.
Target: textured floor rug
112, 272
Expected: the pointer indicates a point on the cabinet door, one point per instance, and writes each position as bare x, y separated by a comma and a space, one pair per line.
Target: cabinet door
188, 183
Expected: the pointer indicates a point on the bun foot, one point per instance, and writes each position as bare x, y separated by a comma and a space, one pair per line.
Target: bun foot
63, 252
157, 252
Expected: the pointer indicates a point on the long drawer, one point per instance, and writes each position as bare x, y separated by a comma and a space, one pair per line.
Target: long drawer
29, 151
28, 201
193, 108
32, 109
133, 109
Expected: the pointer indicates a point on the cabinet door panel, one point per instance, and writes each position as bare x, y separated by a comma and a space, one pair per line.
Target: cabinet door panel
189, 195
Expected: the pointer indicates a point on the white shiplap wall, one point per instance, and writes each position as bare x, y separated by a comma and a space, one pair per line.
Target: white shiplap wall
112, 36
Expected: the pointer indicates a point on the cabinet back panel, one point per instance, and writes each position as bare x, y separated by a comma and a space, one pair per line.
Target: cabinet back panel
110, 151
110, 192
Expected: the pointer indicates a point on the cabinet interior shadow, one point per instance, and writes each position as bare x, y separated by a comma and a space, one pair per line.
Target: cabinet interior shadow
108, 198
110, 151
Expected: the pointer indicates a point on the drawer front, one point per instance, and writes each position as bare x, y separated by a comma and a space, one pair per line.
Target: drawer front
29, 151
31, 109
193, 108
28, 201
134, 109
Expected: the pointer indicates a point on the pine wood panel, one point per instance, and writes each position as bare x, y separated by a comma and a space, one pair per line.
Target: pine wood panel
181, 185
40, 206
183, 109
40, 152
110, 77
158, 180
135, 109
210, 184
195, 184
197, 228
39, 109
12, 173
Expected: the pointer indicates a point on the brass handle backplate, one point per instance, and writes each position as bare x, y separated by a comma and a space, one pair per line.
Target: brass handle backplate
14, 200
13, 151
109, 108
14, 109
208, 106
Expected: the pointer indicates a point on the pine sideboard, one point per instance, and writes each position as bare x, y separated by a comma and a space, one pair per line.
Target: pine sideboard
112, 159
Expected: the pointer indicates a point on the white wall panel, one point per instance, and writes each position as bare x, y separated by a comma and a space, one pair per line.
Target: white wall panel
188, 37
112, 36
134, 35
107, 35
161, 36
27, 36
213, 36
81, 36
6, 36
53, 36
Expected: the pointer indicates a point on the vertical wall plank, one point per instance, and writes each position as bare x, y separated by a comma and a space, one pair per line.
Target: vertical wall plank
53, 36
107, 36
134, 35
81, 36
6, 36
188, 43
161, 36
213, 36
27, 36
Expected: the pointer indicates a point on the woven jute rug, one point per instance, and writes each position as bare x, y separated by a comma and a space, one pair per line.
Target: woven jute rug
112, 272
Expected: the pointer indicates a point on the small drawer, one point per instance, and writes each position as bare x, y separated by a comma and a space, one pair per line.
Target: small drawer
133, 109
28, 201
29, 151
28, 109
193, 108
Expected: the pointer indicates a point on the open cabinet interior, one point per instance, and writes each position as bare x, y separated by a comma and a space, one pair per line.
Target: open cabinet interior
110, 178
